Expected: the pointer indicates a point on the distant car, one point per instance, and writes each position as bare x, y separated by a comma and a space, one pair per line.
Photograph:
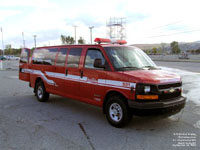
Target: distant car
17, 58
2, 58
183, 56
12, 57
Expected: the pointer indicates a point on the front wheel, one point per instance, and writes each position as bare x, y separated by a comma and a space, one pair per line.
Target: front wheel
41, 93
117, 112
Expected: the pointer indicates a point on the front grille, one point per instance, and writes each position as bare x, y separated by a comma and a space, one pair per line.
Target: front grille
169, 95
164, 91
166, 86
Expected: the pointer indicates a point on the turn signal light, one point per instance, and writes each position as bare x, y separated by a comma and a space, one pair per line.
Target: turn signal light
147, 97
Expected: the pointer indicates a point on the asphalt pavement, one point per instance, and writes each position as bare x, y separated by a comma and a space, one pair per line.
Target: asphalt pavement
63, 123
189, 66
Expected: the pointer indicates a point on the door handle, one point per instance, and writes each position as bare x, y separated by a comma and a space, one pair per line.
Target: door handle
81, 73
66, 72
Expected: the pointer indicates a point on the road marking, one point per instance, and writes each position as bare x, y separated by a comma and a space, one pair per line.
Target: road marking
13, 77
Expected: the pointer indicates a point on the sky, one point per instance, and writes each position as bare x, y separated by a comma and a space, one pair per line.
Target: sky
147, 21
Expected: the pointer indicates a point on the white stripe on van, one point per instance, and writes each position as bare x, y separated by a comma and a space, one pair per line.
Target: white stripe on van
76, 78
51, 82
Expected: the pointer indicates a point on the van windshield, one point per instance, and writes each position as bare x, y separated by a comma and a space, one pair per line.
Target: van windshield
129, 58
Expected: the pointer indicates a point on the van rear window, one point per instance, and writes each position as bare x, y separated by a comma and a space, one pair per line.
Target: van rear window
44, 56
61, 57
24, 56
74, 57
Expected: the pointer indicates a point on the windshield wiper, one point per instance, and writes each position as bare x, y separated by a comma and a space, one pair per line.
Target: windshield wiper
150, 67
128, 67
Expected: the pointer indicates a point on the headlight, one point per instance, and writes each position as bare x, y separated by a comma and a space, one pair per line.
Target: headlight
147, 89
146, 92
143, 89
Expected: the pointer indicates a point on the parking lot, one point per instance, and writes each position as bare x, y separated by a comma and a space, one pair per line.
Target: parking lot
62, 123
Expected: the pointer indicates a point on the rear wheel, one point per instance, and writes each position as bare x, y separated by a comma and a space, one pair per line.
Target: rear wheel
41, 93
117, 112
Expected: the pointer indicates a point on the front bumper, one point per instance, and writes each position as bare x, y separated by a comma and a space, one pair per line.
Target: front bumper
170, 103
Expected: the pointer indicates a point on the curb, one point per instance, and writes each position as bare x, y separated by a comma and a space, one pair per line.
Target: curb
9, 69
193, 61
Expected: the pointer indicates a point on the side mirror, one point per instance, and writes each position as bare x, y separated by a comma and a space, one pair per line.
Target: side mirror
98, 63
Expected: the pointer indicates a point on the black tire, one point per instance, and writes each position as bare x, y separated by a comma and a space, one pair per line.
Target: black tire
40, 92
117, 112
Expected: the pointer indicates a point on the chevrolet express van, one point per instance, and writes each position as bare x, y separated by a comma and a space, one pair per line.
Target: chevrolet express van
121, 79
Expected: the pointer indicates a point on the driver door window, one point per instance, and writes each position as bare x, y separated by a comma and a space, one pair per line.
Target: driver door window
93, 54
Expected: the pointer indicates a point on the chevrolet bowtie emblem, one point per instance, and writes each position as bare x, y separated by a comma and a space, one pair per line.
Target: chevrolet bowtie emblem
171, 90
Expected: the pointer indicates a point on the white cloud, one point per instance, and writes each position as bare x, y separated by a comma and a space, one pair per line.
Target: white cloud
27, 3
4, 14
145, 19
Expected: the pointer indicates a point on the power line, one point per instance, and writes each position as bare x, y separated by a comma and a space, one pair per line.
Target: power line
174, 33
166, 25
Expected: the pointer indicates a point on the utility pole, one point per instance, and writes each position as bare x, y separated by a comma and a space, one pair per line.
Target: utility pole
2, 41
75, 32
23, 39
35, 40
91, 27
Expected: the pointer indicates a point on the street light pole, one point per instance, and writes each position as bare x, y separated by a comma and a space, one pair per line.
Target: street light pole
75, 33
35, 40
2, 41
23, 39
91, 27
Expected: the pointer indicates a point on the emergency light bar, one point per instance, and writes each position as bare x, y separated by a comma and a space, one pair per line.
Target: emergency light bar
103, 40
121, 42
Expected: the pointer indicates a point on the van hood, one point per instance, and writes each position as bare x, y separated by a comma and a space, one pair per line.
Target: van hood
153, 76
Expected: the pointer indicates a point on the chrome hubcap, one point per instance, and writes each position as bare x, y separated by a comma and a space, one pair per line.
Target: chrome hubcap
40, 92
115, 112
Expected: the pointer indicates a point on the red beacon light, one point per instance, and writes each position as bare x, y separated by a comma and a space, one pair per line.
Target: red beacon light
121, 42
102, 40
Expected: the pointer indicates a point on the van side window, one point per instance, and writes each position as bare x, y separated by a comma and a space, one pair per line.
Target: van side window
93, 54
44, 56
24, 56
74, 57
61, 57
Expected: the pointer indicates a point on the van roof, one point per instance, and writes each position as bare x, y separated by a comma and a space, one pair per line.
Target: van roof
85, 45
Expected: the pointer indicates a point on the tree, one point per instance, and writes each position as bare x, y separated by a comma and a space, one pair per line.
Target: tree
8, 49
67, 39
81, 41
154, 50
146, 51
163, 47
193, 51
198, 51
159, 50
62, 37
174, 47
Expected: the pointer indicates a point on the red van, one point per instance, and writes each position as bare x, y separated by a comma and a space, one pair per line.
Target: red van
121, 79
